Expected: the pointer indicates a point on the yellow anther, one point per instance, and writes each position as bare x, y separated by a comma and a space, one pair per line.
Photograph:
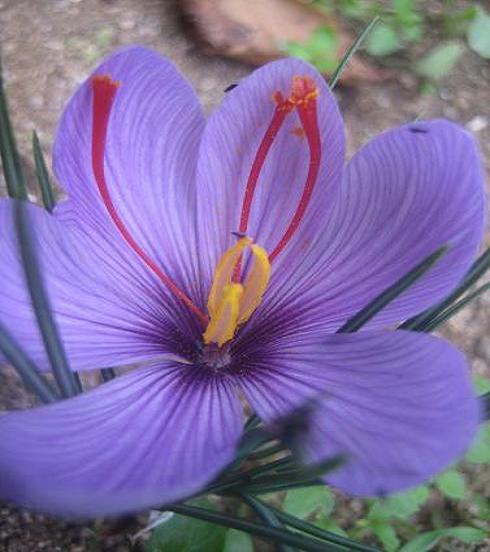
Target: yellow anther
224, 273
223, 323
231, 303
255, 283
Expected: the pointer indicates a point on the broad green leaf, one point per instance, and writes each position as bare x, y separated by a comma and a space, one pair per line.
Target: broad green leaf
387, 535
238, 541
330, 525
186, 534
426, 541
304, 502
480, 450
482, 384
383, 41
452, 484
439, 61
320, 49
400, 506
479, 34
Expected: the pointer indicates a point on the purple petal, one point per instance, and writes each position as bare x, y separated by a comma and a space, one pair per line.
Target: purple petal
150, 158
145, 439
405, 194
229, 146
398, 405
108, 306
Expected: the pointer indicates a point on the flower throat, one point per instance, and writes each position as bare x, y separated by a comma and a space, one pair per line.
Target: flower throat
232, 299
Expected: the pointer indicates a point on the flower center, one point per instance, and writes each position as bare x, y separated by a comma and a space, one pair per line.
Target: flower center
230, 302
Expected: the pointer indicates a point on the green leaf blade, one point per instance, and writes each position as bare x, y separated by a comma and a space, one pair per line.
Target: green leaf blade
12, 169
479, 34
41, 305
42, 174
440, 61
388, 295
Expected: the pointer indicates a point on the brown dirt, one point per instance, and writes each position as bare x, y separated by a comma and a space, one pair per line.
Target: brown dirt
49, 46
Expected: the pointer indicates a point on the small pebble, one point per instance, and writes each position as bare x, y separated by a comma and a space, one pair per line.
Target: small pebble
477, 124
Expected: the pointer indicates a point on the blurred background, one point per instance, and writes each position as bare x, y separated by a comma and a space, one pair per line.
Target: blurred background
425, 59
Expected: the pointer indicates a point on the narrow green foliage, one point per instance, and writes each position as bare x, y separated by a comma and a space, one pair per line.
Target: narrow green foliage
267, 516
485, 399
40, 302
274, 534
42, 174
12, 170
315, 531
289, 479
107, 374
476, 271
391, 293
27, 370
453, 309
351, 51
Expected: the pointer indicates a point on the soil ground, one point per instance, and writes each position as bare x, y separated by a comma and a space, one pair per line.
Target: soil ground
48, 47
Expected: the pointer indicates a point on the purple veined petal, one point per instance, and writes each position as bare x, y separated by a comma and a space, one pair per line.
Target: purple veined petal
151, 153
146, 439
398, 405
405, 194
228, 148
109, 308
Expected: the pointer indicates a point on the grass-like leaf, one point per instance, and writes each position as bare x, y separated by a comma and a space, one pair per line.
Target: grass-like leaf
351, 51
485, 400
274, 534
477, 270
316, 531
383, 299
286, 478
436, 321
267, 516
12, 170
33, 380
107, 374
40, 302
42, 174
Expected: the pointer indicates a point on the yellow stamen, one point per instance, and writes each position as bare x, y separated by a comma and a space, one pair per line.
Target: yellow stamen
231, 303
224, 273
223, 323
255, 283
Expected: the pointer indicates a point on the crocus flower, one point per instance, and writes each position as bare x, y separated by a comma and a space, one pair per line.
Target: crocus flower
222, 256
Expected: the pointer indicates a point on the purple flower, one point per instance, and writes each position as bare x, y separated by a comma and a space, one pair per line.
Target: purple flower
143, 264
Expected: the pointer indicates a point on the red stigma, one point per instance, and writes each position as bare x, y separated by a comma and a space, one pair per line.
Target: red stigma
303, 98
104, 93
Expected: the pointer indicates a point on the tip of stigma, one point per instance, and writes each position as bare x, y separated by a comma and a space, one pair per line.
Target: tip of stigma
105, 81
